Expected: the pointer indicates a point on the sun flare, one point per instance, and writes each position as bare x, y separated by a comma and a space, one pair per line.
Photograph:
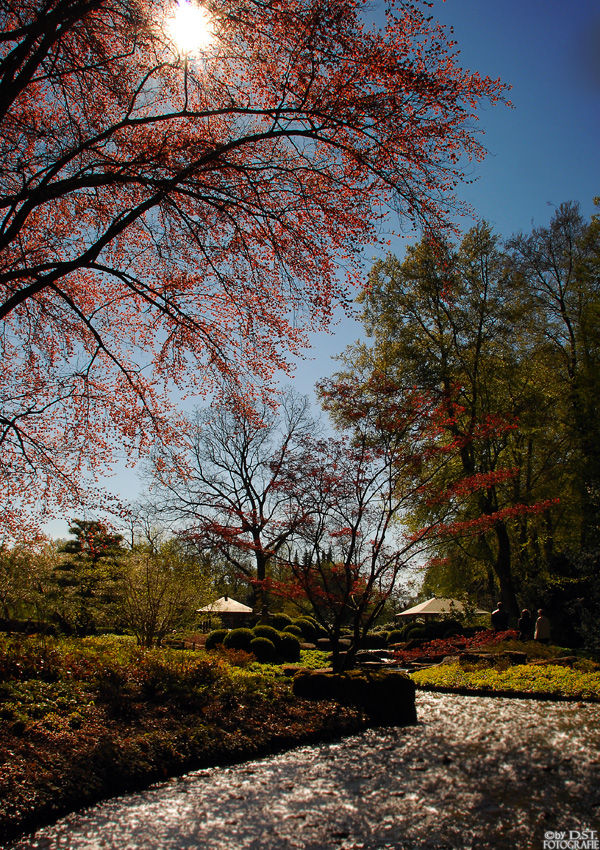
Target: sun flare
191, 28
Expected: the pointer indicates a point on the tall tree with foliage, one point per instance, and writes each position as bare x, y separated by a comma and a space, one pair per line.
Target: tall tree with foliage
87, 579
173, 219
355, 490
450, 320
556, 271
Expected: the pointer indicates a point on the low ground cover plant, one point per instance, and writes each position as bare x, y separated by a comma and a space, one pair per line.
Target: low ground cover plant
548, 680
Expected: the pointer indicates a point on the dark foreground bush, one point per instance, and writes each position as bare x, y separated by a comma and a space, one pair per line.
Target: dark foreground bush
388, 697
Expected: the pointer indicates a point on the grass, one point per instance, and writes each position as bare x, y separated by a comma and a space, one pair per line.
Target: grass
528, 679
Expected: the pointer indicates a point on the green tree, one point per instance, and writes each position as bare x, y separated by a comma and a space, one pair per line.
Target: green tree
162, 590
87, 578
555, 270
508, 337
27, 572
440, 322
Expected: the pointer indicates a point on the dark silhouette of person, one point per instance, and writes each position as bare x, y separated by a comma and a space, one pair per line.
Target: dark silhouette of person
525, 625
500, 618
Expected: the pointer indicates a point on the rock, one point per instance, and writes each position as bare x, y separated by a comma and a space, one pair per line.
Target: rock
483, 659
291, 669
513, 657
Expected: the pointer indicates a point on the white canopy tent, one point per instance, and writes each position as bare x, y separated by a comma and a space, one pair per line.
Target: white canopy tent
437, 606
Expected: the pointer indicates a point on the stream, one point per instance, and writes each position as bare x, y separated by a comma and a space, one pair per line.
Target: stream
475, 772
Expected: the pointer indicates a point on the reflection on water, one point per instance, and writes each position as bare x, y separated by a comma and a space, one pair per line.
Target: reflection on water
475, 772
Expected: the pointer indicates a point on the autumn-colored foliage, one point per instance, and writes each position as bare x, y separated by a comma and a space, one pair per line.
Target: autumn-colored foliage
172, 220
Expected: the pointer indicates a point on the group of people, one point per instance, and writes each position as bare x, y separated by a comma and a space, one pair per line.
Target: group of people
539, 630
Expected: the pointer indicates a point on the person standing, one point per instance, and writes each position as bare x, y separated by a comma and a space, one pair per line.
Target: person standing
542, 627
500, 618
525, 625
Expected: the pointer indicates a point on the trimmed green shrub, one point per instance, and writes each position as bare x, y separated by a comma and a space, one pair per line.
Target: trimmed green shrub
374, 640
280, 621
416, 632
293, 630
289, 647
267, 632
263, 648
215, 638
388, 697
310, 632
238, 639
396, 636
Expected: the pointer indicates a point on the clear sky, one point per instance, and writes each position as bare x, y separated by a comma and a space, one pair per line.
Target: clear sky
542, 152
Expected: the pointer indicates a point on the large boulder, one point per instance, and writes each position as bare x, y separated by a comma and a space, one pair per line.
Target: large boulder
387, 696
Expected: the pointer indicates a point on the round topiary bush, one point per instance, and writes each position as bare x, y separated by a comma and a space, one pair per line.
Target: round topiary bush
293, 630
280, 621
215, 638
289, 647
263, 649
238, 639
395, 636
374, 640
308, 629
267, 632
416, 632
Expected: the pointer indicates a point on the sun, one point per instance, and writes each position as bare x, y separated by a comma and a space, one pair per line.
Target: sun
191, 28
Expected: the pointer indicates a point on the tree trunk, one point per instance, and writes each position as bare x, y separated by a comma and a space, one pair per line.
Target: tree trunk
502, 568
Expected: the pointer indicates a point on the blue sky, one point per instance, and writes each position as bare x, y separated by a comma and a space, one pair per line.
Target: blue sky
542, 152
